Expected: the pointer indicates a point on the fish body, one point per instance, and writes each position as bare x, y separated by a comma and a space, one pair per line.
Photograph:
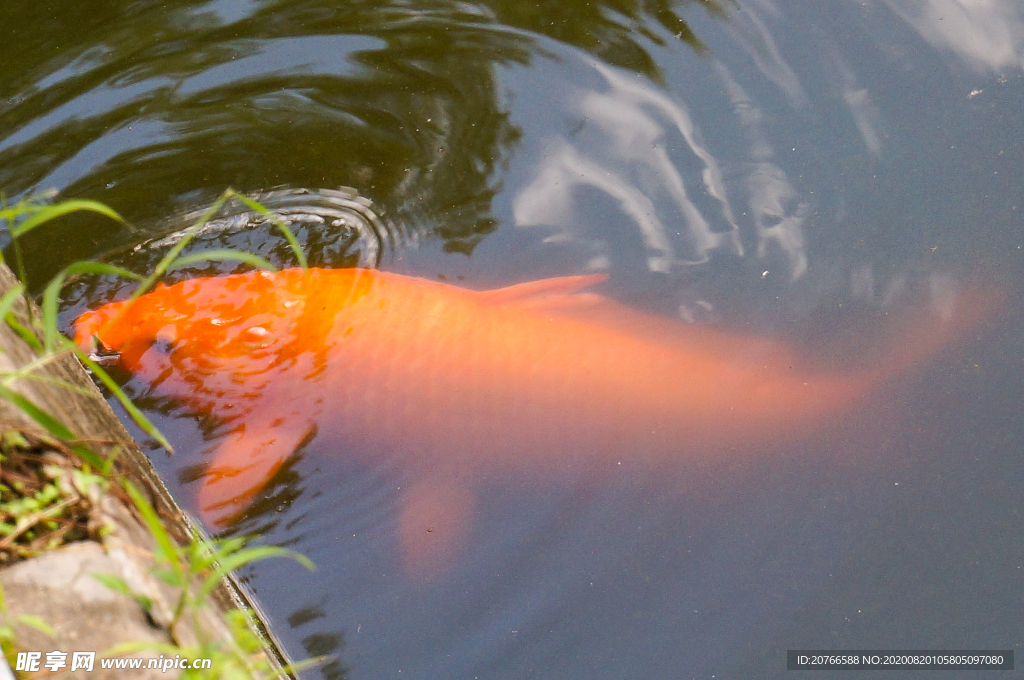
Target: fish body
468, 384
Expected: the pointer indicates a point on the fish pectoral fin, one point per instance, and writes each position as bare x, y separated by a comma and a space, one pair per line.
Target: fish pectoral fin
243, 463
557, 292
435, 523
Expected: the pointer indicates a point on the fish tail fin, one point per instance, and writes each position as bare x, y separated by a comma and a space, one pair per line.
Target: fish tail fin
955, 317
802, 400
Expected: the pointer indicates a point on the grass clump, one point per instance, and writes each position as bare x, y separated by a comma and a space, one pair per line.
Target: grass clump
194, 571
50, 483
47, 498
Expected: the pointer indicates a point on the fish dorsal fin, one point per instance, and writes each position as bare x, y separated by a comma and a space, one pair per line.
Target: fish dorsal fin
546, 292
560, 297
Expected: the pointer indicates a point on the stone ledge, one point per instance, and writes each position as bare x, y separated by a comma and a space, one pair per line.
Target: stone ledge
55, 586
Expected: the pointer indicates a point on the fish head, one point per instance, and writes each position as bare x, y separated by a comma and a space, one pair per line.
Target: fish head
129, 329
195, 330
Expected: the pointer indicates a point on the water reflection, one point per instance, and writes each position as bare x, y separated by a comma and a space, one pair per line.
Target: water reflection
400, 101
640, 148
333, 226
624, 125
776, 209
984, 34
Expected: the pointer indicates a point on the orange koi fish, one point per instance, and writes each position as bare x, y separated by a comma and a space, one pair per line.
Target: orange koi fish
532, 379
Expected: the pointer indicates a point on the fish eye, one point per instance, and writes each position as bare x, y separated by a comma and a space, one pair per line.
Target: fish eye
165, 340
163, 345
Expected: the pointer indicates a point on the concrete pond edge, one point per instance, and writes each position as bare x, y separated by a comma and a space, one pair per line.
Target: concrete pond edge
59, 586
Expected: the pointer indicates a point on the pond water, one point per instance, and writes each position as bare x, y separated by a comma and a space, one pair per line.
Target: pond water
813, 172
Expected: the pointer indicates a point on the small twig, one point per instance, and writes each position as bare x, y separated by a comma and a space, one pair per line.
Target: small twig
55, 537
29, 521
16, 477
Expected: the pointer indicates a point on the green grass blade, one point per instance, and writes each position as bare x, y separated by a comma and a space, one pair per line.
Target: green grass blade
156, 527
86, 267
206, 551
47, 421
172, 257
51, 425
8, 300
46, 379
115, 583
50, 295
26, 205
37, 623
47, 213
26, 334
279, 223
141, 420
165, 262
190, 234
223, 254
247, 556
118, 585
88, 455
228, 546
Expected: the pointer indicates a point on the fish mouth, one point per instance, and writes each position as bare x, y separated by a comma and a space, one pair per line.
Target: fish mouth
101, 354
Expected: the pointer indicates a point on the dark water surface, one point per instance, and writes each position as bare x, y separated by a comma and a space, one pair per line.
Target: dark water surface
795, 169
